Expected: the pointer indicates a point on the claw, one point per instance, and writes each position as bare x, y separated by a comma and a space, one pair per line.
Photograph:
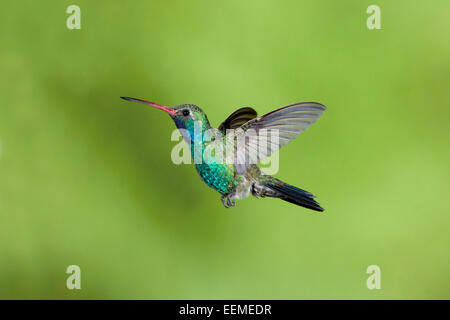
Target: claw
228, 201
225, 201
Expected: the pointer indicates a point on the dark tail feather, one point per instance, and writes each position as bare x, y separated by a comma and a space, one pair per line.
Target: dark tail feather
294, 195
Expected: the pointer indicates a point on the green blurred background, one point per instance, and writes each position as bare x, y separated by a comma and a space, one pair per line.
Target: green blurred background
86, 178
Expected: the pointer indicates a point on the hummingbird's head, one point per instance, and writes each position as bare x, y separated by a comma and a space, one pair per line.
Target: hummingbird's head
185, 115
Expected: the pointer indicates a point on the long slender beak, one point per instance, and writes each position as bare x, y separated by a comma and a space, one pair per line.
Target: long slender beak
163, 108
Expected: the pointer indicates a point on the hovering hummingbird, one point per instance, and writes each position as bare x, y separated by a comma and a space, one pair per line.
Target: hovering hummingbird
238, 179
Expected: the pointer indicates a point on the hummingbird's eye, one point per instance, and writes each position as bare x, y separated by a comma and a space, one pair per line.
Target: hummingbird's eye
185, 112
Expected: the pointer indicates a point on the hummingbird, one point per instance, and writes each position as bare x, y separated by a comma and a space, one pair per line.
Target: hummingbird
239, 178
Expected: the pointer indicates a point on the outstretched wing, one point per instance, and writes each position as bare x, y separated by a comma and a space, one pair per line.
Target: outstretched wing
262, 136
237, 119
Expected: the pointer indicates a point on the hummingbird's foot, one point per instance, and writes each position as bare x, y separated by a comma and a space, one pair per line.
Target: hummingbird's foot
228, 201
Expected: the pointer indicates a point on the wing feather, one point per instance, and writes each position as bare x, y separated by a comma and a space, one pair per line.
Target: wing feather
237, 119
259, 137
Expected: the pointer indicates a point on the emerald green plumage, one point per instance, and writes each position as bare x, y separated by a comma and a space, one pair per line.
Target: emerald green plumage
219, 176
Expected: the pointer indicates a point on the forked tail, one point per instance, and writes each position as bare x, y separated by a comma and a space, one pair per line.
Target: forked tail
292, 194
